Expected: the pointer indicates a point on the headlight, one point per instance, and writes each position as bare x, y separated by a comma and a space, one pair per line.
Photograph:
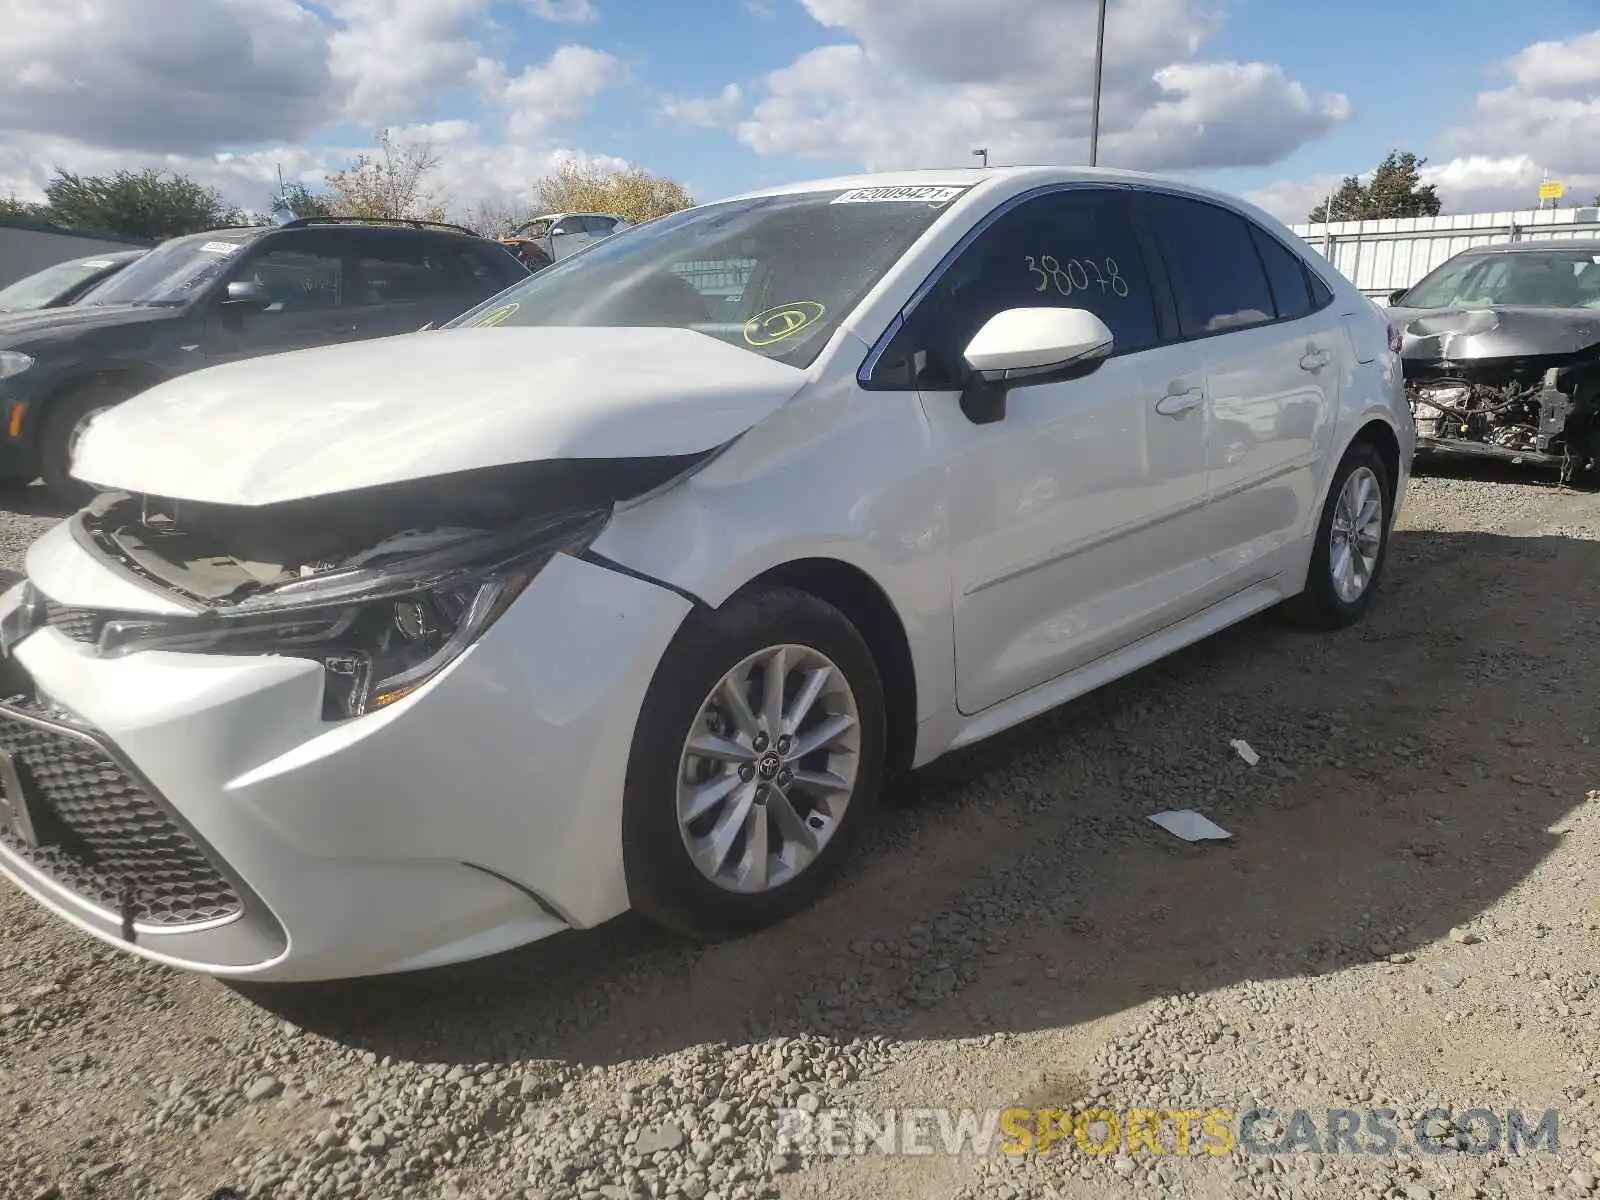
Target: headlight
381, 629
14, 362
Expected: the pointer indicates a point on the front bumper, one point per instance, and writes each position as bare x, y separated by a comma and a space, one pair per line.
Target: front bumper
198, 811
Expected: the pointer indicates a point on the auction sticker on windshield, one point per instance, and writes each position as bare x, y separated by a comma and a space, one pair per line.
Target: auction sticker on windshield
915, 194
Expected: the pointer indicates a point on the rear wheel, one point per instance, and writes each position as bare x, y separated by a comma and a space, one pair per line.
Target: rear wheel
755, 764
1352, 542
63, 425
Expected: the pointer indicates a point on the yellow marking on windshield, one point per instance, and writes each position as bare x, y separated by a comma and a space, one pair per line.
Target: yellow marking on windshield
785, 320
496, 316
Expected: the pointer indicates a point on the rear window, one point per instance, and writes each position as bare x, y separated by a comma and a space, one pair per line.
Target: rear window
1217, 277
1291, 290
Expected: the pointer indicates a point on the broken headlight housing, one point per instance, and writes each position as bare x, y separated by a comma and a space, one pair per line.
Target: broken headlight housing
381, 627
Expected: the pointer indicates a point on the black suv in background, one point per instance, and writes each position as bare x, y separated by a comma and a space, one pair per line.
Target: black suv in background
215, 297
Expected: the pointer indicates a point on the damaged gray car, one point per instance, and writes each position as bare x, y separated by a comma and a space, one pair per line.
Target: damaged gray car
1501, 351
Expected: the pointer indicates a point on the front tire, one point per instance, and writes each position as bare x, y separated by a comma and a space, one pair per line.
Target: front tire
755, 764
1352, 542
62, 427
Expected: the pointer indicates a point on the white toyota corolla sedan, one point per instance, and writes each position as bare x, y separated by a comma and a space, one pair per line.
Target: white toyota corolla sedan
630, 587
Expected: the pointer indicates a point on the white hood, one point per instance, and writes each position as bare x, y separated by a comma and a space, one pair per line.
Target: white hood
341, 418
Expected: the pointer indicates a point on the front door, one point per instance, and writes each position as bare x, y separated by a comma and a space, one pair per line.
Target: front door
1074, 520
304, 274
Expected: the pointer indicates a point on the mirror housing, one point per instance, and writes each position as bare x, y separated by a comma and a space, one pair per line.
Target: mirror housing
1021, 346
1396, 296
247, 293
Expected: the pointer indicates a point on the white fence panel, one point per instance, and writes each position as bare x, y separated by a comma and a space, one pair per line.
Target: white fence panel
1381, 256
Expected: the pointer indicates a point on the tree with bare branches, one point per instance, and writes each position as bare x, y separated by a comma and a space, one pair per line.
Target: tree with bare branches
391, 183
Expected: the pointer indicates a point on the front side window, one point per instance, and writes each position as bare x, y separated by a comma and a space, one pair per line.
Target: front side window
1071, 249
298, 277
1532, 278
774, 275
1217, 277
176, 272
599, 226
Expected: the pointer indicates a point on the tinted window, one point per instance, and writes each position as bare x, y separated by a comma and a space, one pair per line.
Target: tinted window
569, 225
402, 270
490, 270
599, 226
298, 277
1068, 250
1217, 279
1287, 275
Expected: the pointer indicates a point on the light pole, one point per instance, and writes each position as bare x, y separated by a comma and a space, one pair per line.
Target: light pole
1099, 71
983, 154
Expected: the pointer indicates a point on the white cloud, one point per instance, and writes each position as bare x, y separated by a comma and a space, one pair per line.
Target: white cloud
921, 82
557, 90
229, 91
393, 56
1291, 199
1547, 120
571, 12
702, 112
171, 76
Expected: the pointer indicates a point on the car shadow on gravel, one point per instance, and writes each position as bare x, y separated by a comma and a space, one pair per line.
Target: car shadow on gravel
1411, 771
32, 500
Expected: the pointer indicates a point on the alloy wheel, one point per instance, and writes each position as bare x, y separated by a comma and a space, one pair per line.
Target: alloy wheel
1356, 535
768, 768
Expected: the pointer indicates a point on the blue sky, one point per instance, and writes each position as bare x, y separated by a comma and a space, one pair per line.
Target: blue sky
1273, 99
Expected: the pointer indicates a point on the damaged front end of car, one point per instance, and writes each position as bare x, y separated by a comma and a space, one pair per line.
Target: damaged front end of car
384, 587
1515, 386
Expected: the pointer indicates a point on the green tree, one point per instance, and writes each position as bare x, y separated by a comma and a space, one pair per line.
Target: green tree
1395, 190
12, 209
389, 184
631, 192
303, 202
143, 204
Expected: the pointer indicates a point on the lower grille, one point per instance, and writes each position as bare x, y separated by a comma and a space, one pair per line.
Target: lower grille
102, 836
79, 624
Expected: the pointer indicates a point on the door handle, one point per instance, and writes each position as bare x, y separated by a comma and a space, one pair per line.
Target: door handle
1314, 360
1175, 404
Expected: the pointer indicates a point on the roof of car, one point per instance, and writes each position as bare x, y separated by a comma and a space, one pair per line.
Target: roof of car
1582, 245
994, 179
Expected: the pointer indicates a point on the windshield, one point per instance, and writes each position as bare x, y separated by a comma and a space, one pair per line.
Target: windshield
175, 272
43, 288
1531, 278
774, 275
533, 229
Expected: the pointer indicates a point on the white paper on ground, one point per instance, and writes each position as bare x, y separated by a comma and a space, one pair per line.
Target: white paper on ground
1190, 826
1246, 752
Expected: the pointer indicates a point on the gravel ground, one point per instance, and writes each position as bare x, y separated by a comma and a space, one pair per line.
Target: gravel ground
1404, 918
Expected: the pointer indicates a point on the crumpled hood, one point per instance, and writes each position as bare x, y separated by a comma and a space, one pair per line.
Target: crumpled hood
1429, 334
22, 330
341, 418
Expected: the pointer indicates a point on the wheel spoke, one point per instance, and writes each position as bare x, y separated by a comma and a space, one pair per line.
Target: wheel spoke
707, 796
710, 745
774, 671
793, 830
726, 831
753, 866
816, 680
822, 735
733, 696
823, 781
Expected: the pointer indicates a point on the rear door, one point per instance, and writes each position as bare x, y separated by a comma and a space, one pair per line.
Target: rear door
1272, 377
405, 279
306, 276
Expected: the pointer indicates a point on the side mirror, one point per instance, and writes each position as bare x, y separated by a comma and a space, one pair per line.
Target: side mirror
1397, 295
1021, 346
247, 293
